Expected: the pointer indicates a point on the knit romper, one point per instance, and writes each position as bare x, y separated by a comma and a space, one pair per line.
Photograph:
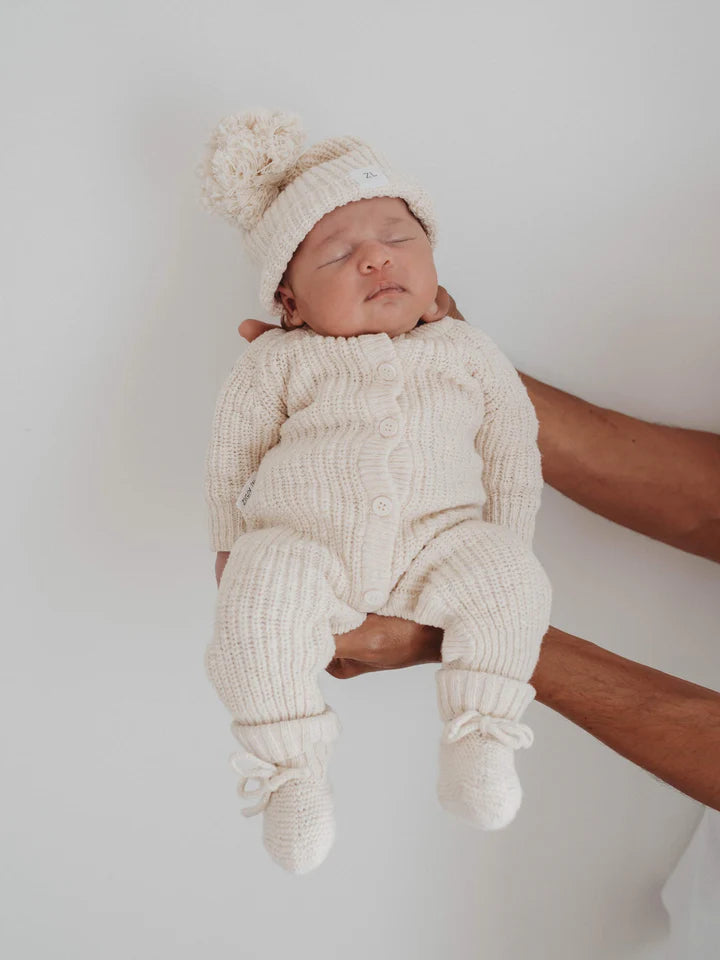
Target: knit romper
395, 475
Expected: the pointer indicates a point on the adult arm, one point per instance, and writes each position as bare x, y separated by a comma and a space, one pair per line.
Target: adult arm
668, 726
658, 480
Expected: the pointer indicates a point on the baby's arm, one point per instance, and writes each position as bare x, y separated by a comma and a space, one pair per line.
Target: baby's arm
507, 442
249, 412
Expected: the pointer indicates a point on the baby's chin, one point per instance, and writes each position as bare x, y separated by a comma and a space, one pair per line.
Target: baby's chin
386, 319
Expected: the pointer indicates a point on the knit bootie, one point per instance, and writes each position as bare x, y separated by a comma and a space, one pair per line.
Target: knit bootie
477, 779
291, 758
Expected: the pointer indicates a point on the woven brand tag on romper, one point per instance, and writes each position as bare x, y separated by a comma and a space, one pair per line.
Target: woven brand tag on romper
245, 492
370, 176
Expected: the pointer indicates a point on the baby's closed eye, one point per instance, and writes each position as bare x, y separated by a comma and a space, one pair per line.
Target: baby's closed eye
344, 256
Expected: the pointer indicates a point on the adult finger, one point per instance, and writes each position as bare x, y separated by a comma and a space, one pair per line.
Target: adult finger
364, 644
444, 302
250, 329
453, 310
435, 311
344, 669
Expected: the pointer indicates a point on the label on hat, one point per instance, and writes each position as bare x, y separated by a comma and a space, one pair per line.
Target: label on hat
242, 500
369, 176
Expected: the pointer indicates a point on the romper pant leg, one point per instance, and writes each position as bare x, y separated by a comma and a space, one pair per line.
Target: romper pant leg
487, 591
276, 617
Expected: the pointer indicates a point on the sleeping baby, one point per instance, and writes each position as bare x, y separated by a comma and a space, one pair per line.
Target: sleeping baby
362, 460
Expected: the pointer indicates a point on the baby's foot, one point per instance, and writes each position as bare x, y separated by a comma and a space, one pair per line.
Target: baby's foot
478, 781
293, 794
299, 824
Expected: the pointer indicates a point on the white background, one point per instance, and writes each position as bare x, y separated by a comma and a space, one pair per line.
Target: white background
572, 150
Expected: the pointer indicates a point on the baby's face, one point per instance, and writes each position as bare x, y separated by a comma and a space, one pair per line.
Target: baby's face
331, 279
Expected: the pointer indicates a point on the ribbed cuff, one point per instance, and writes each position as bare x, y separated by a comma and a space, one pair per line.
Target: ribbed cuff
226, 524
516, 513
285, 739
461, 690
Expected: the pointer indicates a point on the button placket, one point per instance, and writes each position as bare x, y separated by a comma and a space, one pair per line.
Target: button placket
380, 532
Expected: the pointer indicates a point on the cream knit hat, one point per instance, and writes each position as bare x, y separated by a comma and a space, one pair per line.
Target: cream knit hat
256, 176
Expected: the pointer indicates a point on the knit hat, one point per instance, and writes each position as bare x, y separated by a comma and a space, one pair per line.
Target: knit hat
257, 177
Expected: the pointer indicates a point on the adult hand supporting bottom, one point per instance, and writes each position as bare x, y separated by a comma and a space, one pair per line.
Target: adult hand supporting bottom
384, 643
668, 726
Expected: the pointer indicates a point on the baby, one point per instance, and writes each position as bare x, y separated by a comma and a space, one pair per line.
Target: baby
362, 460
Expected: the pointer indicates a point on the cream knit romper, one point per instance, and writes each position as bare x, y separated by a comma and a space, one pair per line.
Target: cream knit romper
395, 475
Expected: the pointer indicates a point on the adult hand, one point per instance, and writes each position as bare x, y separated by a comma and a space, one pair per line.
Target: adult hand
630, 707
384, 643
443, 306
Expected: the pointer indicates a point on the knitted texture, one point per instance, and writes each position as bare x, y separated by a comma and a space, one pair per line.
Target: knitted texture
399, 475
254, 175
295, 795
477, 779
381, 437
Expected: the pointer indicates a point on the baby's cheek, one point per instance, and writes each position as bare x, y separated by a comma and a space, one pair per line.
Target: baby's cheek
428, 289
428, 273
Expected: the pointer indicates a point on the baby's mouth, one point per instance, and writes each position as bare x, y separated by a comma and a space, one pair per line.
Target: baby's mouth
391, 288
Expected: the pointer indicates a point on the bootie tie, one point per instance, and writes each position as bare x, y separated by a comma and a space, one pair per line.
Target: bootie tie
290, 761
477, 779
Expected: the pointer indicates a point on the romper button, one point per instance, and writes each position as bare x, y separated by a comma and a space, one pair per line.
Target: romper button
388, 427
382, 506
373, 598
387, 371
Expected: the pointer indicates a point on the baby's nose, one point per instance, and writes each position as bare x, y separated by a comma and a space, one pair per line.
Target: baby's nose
375, 256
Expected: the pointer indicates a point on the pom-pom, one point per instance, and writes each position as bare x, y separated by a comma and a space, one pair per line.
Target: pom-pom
247, 158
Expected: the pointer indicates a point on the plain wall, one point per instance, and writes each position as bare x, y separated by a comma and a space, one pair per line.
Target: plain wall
572, 151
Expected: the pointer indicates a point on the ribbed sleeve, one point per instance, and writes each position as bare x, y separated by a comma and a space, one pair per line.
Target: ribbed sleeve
507, 442
249, 412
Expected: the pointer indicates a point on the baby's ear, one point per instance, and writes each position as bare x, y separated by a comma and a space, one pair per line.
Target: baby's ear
290, 318
284, 296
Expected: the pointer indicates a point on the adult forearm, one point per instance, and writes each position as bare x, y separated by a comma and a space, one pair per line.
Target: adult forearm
666, 725
661, 481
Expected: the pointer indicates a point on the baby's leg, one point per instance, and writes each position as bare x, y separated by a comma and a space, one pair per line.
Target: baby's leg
276, 616
490, 595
